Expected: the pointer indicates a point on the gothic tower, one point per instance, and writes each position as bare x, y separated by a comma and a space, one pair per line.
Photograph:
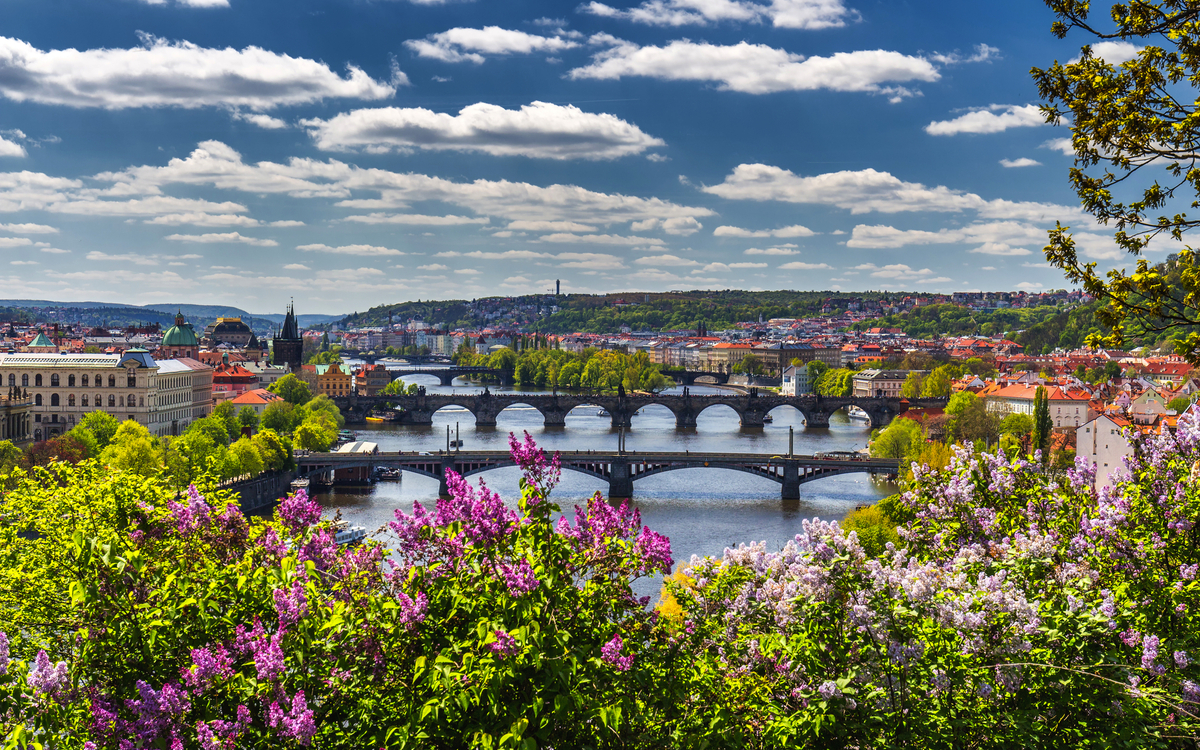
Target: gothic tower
288, 346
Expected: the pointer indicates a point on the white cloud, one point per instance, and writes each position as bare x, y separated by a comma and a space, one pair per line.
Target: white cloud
54, 250
266, 122
1113, 53
550, 226
665, 260
1061, 145
470, 45
886, 237
594, 261
757, 68
140, 260
993, 119
538, 130
213, 237
433, 267
901, 272
192, 3
11, 148
28, 229
790, 14
599, 239
200, 219
988, 268
368, 250
798, 265
793, 231
1029, 285
682, 225
771, 251
983, 53
286, 223
24, 262
15, 242
416, 219
175, 74
296, 267
1000, 248
1024, 161
468, 271
869, 190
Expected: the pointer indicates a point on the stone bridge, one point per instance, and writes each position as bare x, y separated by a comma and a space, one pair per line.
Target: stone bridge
750, 407
620, 469
446, 375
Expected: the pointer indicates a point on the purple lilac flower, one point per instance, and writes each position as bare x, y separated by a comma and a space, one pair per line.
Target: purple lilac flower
538, 471
296, 723
268, 658
1191, 692
1131, 637
519, 578
4, 657
192, 514
271, 542
1181, 659
412, 610
321, 548
159, 713
290, 605
220, 733
1188, 572
45, 678
298, 512
829, 690
1150, 654
655, 550
208, 666
504, 645
611, 654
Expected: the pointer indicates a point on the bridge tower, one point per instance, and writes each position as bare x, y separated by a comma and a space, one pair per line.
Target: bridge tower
288, 346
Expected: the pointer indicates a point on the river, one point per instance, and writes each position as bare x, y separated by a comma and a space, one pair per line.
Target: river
702, 511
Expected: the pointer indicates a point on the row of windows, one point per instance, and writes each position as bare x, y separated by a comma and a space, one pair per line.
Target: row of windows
112, 400
130, 381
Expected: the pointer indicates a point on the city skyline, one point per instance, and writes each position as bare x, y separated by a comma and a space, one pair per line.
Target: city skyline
364, 153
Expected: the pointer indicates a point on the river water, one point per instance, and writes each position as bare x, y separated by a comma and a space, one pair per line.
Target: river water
702, 511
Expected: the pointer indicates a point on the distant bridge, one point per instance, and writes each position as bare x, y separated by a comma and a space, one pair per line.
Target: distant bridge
620, 469
373, 356
446, 375
750, 407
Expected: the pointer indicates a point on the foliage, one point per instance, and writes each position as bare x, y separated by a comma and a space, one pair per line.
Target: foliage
901, 439
331, 356
603, 370
1133, 129
1179, 404
959, 402
225, 414
102, 425
912, 385
874, 529
975, 423
291, 389
932, 321
247, 416
750, 364
1017, 424
838, 382
937, 383
133, 449
1043, 425
397, 388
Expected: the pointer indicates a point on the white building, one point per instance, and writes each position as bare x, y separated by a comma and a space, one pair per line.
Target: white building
1102, 441
1068, 409
797, 381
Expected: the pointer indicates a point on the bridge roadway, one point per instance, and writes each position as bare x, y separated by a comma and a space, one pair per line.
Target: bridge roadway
620, 469
750, 407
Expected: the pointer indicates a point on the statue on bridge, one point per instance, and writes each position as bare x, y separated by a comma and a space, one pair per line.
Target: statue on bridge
620, 390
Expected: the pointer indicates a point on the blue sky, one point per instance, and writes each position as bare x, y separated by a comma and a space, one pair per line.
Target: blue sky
350, 153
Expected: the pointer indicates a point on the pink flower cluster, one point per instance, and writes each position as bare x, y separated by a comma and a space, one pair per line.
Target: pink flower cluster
519, 577
504, 644
209, 666
223, 734
290, 604
192, 514
46, 678
610, 653
158, 714
296, 723
539, 473
298, 512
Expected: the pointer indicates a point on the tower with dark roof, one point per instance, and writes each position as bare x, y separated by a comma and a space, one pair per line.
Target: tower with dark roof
288, 347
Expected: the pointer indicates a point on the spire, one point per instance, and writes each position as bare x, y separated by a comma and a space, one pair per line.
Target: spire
290, 329
179, 319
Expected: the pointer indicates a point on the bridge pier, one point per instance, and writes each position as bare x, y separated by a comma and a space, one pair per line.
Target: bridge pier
554, 417
816, 419
620, 480
752, 419
791, 481
445, 378
621, 418
685, 419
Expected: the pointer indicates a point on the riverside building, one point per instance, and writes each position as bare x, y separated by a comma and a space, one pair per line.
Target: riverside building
163, 397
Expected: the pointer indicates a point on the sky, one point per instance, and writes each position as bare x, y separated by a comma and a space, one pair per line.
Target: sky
350, 153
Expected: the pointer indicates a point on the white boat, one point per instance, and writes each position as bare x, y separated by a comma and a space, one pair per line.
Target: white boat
857, 415
768, 418
603, 413
350, 535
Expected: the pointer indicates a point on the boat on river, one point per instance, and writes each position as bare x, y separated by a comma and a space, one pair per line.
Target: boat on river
347, 535
767, 418
603, 413
374, 419
857, 415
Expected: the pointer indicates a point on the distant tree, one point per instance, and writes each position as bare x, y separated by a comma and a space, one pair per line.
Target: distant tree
1017, 424
101, 425
280, 417
912, 386
275, 452
960, 402
975, 423
1112, 370
750, 364
292, 389
10, 456
1043, 425
311, 437
247, 416
245, 458
937, 384
226, 414
133, 449
1179, 404
816, 368
900, 439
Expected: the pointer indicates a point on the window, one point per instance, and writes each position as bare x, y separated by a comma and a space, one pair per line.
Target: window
85, 381
37, 400
70, 381
54, 380
112, 381
141, 401
99, 381
99, 400
37, 380
83, 401
24, 381
131, 380
71, 400
12, 380
112, 400
54, 399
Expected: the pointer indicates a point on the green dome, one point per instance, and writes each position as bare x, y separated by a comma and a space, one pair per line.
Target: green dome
180, 334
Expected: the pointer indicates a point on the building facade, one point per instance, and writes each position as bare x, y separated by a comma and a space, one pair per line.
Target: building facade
1102, 441
16, 417
179, 341
881, 383
228, 331
369, 381
334, 380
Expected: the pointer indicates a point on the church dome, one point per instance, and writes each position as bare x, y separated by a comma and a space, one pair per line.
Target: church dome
180, 334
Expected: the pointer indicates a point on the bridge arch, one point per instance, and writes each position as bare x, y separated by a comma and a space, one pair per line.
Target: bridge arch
420, 378
454, 412
515, 411
719, 407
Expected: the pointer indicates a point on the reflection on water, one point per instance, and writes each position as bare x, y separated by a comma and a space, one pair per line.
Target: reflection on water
701, 510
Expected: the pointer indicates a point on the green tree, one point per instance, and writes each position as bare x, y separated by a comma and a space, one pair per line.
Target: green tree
1016, 424
247, 417
275, 452
281, 417
1043, 425
975, 423
750, 365
244, 458
1134, 127
901, 439
960, 402
102, 425
873, 527
226, 414
133, 449
292, 389
10, 456
1179, 404
913, 385
937, 385
322, 405
313, 436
